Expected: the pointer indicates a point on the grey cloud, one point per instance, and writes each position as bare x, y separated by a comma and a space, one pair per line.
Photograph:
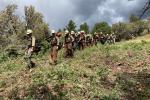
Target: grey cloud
58, 12
120, 10
86, 7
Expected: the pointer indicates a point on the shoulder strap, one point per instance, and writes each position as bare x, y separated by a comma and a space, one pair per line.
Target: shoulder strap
33, 41
57, 40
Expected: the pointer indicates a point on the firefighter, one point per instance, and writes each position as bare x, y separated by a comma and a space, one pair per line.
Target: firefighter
73, 36
95, 38
68, 44
81, 40
30, 49
54, 48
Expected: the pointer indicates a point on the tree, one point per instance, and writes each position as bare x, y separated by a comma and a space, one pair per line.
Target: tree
59, 30
120, 30
138, 27
9, 22
102, 27
146, 8
71, 26
148, 25
118, 27
34, 21
10, 26
133, 18
84, 27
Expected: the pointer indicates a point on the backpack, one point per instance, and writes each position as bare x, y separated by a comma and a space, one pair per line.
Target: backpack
37, 47
54, 41
68, 39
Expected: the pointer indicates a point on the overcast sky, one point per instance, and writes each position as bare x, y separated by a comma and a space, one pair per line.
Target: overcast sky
57, 13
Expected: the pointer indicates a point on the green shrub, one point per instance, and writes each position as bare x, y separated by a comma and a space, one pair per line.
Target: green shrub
110, 97
3, 57
11, 66
45, 46
102, 72
63, 72
38, 79
12, 53
2, 83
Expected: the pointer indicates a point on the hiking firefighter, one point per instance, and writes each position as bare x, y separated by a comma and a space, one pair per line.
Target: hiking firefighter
113, 38
89, 40
68, 44
102, 38
30, 49
74, 43
81, 41
54, 48
95, 38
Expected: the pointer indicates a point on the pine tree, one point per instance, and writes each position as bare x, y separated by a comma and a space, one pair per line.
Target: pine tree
84, 27
102, 27
71, 26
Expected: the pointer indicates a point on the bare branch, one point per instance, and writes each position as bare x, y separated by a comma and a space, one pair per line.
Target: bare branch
146, 8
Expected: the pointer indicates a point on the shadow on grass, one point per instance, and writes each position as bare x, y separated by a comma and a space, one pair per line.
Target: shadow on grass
40, 92
135, 86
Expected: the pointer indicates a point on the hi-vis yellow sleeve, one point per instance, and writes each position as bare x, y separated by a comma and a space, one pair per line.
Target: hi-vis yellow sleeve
33, 41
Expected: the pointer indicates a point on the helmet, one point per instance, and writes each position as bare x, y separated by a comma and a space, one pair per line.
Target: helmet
53, 31
72, 32
82, 31
29, 31
79, 32
66, 31
88, 35
95, 33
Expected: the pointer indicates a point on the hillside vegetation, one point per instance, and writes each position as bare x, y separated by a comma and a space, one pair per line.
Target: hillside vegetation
106, 72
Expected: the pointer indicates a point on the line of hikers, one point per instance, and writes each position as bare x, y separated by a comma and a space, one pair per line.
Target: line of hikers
71, 42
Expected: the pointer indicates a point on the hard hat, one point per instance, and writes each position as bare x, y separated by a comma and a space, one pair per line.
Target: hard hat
66, 31
82, 31
53, 31
87, 35
79, 32
95, 33
29, 31
90, 35
72, 32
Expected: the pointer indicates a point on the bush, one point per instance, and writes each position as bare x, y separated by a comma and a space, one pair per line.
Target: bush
45, 46
12, 52
110, 97
102, 72
2, 83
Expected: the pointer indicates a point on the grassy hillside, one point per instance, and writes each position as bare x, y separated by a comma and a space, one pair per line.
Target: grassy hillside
109, 72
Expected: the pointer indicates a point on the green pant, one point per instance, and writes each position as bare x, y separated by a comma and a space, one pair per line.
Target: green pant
28, 56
